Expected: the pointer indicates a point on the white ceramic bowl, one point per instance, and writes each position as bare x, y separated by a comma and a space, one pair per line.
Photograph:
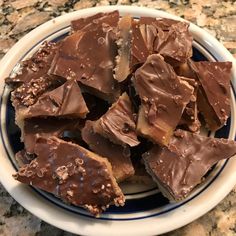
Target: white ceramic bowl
143, 215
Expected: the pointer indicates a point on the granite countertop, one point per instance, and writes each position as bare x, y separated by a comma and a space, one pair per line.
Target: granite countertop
20, 16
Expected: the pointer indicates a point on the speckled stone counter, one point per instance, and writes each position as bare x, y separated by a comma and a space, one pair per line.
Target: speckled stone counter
20, 16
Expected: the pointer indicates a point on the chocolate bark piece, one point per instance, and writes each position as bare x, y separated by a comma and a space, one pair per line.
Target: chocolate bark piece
189, 119
118, 124
110, 18
182, 165
164, 97
89, 57
35, 67
40, 127
132, 48
162, 23
214, 92
23, 157
176, 44
64, 101
117, 155
73, 173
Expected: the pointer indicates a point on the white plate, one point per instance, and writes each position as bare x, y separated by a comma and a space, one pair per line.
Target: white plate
143, 214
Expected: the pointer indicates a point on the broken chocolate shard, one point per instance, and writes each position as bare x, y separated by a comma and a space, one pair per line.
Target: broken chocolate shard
132, 48
159, 23
74, 174
189, 119
176, 45
118, 124
89, 23
40, 127
23, 157
214, 92
117, 155
64, 101
35, 67
164, 96
79, 58
181, 166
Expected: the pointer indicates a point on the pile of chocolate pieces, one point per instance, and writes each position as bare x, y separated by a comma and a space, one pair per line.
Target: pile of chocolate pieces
115, 92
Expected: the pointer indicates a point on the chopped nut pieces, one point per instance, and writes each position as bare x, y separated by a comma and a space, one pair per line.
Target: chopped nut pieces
118, 124
181, 166
67, 170
64, 101
118, 156
164, 96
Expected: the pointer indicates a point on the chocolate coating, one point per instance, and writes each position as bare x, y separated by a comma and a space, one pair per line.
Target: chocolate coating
39, 127
88, 23
117, 155
73, 173
164, 97
182, 165
89, 57
214, 93
118, 124
64, 101
176, 44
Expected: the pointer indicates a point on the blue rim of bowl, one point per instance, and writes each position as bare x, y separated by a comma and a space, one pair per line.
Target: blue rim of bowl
55, 201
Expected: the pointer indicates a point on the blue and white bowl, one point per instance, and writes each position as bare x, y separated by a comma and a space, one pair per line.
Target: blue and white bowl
146, 212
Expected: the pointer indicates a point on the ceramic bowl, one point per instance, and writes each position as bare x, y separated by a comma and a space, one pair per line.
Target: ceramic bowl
146, 212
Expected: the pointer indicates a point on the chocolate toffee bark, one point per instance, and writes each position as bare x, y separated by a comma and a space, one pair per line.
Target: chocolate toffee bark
164, 97
132, 48
117, 155
181, 166
87, 23
72, 173
214, 92
89, 57
33, 80
40, 127
189, 119
118, 124
23, 157
64, 101
33, 69
176, 45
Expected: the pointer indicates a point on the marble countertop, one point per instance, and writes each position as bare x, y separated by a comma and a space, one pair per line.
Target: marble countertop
20, 16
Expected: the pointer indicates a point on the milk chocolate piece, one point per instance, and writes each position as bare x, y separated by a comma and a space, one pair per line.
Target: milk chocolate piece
176, 44
64, 101
132, 48
162, 23
23, 157
164, 96
117, 155
35, 67
39, 127
89, 23
72, 173
214, 92
189, 119
89, 57
118, 124
181, 166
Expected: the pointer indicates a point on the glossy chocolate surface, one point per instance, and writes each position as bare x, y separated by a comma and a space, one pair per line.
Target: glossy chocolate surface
164, 97
67, 170
117, 155
182, 165
64, 101
118, 124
